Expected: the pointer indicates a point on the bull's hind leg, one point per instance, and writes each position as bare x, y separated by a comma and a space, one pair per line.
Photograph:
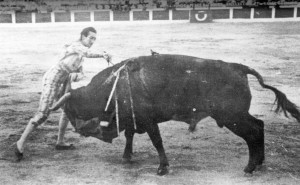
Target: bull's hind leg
259, 146
252, 131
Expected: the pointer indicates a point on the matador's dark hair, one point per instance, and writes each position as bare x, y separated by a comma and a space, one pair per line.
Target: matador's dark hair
86, 31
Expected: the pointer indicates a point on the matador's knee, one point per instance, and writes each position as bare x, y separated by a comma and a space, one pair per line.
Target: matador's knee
38, 119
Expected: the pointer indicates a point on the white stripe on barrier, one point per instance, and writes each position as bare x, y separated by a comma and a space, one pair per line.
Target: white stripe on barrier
92, 16
252, 13
111, 15
273, 13
13, 17
150, 15
72, 16
33, 17
231, 13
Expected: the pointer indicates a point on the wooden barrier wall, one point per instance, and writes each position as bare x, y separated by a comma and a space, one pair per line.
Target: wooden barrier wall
148, 15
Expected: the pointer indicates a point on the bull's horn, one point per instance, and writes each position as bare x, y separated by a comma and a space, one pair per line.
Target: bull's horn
61, 101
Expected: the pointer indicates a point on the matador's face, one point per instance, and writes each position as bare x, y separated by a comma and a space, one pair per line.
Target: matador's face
89, 40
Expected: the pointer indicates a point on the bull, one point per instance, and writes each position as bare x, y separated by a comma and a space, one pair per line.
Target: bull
148, 90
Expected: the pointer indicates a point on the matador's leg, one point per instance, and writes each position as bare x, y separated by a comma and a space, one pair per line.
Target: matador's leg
63, 123
47, 98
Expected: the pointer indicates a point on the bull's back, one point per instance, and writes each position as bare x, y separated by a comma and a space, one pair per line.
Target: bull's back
180, 83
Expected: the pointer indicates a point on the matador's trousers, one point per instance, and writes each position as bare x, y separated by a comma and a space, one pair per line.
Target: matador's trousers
54, 82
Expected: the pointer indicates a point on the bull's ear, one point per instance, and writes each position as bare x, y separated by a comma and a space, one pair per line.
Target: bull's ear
133, 65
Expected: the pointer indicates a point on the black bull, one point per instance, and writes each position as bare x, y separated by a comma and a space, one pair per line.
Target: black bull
158, 88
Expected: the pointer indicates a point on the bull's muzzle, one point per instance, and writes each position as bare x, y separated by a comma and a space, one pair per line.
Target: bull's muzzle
94, 128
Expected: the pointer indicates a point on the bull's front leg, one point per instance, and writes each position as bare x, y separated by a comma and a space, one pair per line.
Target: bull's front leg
154, 134
128, 148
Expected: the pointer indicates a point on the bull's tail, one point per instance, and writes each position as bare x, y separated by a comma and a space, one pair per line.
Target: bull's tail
283, 104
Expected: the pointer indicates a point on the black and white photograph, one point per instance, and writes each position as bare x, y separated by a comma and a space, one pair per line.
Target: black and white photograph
150, 92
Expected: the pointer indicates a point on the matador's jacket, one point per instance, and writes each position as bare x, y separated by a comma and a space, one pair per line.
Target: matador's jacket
55, 78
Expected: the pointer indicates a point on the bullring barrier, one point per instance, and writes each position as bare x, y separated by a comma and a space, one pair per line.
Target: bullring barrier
215, 13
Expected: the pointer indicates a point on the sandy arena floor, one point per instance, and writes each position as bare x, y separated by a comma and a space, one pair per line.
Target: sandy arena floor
208, 156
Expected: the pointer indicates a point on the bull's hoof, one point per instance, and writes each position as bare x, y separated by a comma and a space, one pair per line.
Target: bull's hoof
126, 160
260, 167
262, 160
249, 169
19, 155
127, 157
162, 170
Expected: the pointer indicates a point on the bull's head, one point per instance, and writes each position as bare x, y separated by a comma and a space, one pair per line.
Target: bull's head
86, 116
86, 106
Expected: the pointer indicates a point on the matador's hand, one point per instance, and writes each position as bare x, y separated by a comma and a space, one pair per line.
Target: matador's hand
107, 57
